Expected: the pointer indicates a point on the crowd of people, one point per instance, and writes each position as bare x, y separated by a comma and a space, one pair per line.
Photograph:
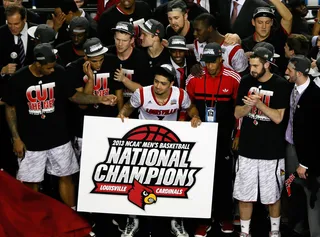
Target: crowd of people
252, 66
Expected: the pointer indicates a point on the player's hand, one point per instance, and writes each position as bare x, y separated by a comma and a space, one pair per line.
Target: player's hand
235, 144
195, 121
88, 70
119, 75
122, 117
19, 148
302, 172
314, 64
196, 70
165, 43
108, 100
231, 39
9, 69
248, 54
58, 21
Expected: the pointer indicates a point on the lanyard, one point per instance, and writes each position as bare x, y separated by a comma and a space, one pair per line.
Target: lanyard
205, 90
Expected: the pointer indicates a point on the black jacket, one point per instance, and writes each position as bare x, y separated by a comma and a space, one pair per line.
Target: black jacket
306, 129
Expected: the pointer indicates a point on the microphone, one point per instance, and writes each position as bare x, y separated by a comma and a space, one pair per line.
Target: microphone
13, 56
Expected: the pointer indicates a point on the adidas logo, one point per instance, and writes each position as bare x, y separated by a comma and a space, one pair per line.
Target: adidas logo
149, 102
225, 90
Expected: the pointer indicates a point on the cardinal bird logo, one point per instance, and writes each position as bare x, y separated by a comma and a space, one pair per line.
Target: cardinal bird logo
141, 195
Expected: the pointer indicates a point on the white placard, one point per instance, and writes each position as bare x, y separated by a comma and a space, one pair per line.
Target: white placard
151, 168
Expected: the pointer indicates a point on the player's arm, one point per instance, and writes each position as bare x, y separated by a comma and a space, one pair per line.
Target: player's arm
80, 89
131, 105
194, 115
18, 146
82, 98
276, 115
126, 111
242, 110
119, 94
131, 85
286, 21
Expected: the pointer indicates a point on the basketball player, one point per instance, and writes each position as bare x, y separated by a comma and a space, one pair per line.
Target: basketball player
154, 102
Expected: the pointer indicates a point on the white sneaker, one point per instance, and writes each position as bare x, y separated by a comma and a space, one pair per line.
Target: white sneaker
177, 229
274, 234
132, 227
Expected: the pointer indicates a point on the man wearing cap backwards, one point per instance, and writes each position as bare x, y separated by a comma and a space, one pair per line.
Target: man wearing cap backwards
35, 108
264, 20
214, 94
180, 59
160, 97
94, 72
42, 34
72, 50
152, 33
302, 136
261, 102
134, 70
178, 21
205, 31
125, 10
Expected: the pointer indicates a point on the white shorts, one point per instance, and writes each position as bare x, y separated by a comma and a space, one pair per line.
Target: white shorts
253, 175
59, 161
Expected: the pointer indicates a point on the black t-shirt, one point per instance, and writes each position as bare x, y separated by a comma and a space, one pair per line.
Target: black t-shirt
261, 138
40, 104
278, 38
163, 58
189, 36
136, 68
66, 53
104, 85
113, 15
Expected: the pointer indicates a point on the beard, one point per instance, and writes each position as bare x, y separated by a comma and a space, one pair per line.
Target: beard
258, 75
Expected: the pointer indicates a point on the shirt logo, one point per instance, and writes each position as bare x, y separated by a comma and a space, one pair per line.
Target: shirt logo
225, 90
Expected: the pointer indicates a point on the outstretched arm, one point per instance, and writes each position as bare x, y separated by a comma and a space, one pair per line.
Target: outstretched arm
82, 98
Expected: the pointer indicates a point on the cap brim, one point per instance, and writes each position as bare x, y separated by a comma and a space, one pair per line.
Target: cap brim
145, 29
102, 51
273, 64
209, 59
177, 47
121, 30
32, 30
275, 55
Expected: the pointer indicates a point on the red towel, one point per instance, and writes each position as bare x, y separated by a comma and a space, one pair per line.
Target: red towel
26, 213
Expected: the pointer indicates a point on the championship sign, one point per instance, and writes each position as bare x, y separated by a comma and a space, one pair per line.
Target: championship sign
142, 167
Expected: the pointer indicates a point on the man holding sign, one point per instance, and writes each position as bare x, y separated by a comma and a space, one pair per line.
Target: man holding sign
161, 101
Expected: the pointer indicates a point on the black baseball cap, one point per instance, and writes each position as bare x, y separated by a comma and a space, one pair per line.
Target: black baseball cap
125, 27
93, 47
211, 52
268, 46
79, 22
177, 42
153, 27
44, 53
166, 69
300, 63
264, 53
263, 12
43, 33
176, 5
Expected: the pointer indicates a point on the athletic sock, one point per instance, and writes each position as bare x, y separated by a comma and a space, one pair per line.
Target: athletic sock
245, 226
275, 223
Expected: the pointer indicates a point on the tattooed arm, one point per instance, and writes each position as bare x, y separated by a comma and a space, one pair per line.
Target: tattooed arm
82, 98
18, 146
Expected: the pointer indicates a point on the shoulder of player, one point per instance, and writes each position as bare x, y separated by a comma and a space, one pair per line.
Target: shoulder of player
142, 5
109, 11
280, 80
76, 64
232, 74
21, 74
